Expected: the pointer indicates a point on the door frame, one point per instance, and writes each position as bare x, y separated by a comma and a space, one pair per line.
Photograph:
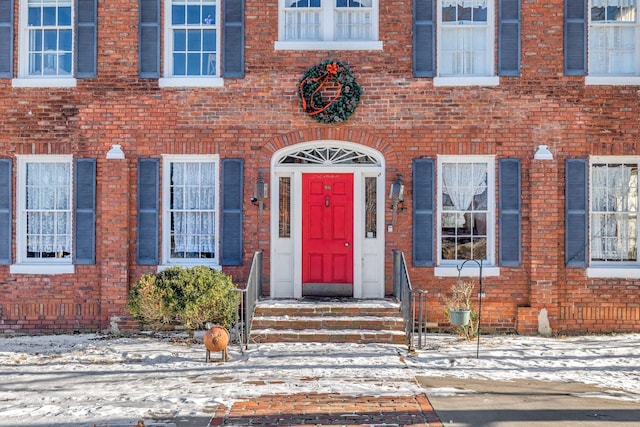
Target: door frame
286, 252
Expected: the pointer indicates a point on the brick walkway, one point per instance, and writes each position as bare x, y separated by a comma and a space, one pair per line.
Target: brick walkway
312, 409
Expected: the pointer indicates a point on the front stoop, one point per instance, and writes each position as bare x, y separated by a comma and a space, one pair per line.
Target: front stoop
328, 320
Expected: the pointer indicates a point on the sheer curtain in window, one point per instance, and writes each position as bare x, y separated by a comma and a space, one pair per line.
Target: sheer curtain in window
462, 181
614, 197
193, 208
612, 41
48, 209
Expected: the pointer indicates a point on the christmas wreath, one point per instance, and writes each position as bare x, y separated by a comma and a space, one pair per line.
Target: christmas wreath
342, 92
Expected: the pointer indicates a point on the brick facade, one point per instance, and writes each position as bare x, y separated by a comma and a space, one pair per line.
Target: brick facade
401, 116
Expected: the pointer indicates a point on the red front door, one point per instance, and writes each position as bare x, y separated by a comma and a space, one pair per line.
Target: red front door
327, 234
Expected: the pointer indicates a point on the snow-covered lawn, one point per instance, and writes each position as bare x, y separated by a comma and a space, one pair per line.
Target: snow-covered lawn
80, 380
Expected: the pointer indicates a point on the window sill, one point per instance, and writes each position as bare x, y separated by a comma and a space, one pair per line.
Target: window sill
328, 45
613, 272
49, 269
612, 80
44, 82
191, 82
467, 271
466, 81
187, 264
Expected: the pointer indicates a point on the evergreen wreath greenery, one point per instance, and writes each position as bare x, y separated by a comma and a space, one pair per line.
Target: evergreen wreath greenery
347, 92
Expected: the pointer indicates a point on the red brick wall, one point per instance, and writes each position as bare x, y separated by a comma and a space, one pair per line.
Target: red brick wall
402, 116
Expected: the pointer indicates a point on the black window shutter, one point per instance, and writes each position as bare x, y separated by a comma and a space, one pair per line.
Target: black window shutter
509, 38
84, 201
575, 37
6, 38
5, 211
423, 38
148, 194
576, 211
231, 233
509, 204
233, 38
149, 38
86, 38
423, 203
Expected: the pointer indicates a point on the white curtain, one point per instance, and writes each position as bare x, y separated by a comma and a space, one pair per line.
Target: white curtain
614, 194
193, 207
461, 182
614, 3
48, 204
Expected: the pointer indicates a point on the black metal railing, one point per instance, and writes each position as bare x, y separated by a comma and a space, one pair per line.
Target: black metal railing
413, 303
249, 298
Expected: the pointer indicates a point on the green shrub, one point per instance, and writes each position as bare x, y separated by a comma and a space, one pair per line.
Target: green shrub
191, 296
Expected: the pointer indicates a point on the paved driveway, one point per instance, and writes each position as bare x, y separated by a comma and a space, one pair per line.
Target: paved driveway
484, 403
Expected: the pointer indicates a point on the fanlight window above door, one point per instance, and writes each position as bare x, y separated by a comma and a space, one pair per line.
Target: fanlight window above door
329, 156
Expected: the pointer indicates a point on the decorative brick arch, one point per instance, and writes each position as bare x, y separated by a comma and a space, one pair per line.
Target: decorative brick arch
357, 136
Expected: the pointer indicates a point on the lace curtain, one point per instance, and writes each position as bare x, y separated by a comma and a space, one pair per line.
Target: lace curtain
461, 182
48, 204
614, 194
193, 204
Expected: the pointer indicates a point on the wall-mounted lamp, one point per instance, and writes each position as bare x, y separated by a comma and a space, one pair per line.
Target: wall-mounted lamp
260, 192
543, 153
396, 195
115, 152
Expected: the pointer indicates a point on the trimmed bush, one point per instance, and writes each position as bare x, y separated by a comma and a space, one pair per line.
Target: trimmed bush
191, 296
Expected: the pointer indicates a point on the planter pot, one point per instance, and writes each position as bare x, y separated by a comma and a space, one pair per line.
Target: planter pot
459, 317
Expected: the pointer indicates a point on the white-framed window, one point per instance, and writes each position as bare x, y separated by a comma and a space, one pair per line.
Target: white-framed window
613, 212
47, 41
466, 42
466, 206
192, 43
328, 24
614, 40
190, 210
44, 204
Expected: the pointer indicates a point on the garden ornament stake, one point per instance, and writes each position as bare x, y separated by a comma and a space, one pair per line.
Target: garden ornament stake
480, 295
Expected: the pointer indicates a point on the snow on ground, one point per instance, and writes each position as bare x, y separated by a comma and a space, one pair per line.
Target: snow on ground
82, 380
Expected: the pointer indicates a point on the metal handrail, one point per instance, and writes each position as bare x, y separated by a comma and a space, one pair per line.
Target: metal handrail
248, 299
413, 303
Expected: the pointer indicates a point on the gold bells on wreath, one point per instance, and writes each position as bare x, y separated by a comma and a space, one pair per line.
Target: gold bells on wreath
329, 92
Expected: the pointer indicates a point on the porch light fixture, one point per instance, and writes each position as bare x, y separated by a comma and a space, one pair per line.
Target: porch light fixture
396, 195
260, 192
543, 153
115, 152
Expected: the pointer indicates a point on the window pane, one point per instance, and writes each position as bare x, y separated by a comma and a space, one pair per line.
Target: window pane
209, 14
180, 41
193, 15
35, 16
304, 3
284, 208
614, 210
178, 15
192, 210
51, 49
179, 64
49, 16
371, 207
194, 48
48, 210
64, 16
464, 215
194, 41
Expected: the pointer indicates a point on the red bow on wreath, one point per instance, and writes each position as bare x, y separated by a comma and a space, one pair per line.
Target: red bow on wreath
331, 72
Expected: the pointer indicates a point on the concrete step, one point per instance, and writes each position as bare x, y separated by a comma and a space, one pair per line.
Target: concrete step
328, 336
328, 320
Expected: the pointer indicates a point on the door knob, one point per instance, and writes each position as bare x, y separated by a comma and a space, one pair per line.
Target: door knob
346, 244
